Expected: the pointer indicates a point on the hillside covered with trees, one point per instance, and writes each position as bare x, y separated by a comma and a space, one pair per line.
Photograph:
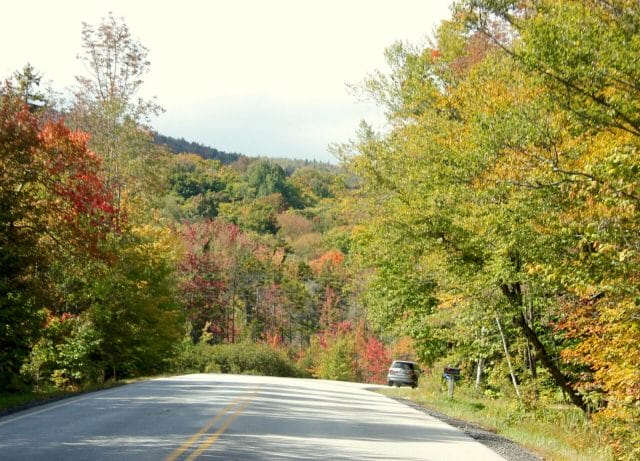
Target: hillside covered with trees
123, 257
181, 145
493, 226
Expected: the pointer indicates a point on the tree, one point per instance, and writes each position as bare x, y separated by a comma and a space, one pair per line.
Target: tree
450, 190
313, 184
266, 178
63, 248
55, 206
19, 181
508, 179
136, 330
197, 186
105, 107
258, 216
116, 62
28, 81
582, 53
203, 285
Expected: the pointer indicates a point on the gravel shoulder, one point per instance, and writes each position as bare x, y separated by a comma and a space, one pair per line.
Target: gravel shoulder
506, 448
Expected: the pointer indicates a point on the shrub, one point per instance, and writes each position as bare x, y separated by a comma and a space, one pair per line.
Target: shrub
338, 361
241, 358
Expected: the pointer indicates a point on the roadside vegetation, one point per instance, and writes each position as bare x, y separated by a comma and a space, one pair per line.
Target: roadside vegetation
249, 358
556, 432
493, 226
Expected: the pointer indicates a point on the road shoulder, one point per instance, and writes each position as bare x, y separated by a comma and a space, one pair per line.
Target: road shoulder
506, 448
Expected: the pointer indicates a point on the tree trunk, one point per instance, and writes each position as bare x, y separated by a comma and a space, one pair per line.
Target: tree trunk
531, 361
531, 355
479, 371
560, 379
506, 353
513, 292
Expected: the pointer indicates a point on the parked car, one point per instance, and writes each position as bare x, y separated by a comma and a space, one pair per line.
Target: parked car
403, 373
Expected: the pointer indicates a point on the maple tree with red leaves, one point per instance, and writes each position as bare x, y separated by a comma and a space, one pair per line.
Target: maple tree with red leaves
54, 201
80, 196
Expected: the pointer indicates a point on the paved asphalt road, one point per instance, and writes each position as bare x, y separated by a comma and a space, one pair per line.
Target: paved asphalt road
230, 417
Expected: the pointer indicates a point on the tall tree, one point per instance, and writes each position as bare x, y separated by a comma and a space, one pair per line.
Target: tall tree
28, 82
115, 60
105, 106
509, 178
54, 204
584, 54
20, 173
443, 176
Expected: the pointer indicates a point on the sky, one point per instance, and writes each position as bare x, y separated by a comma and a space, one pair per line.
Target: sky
261, 78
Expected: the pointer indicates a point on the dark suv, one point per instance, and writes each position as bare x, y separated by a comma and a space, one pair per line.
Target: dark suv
403, 373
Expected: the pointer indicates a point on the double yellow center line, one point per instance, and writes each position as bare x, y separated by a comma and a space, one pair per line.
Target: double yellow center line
237, 405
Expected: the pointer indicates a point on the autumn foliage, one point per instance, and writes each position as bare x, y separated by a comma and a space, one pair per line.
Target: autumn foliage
121, 259
502, 204
347, 351
54, 202
494, 224
329, 261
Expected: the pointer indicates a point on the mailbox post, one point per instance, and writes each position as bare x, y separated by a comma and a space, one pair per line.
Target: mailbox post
452, 375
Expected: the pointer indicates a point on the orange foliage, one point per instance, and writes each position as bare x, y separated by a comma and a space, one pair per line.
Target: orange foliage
402, 349
329, 261
273, 339
607, 347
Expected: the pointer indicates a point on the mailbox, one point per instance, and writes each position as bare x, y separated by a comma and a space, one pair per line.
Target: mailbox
452, 373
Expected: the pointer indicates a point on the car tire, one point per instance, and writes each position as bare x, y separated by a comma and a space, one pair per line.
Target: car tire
389, 383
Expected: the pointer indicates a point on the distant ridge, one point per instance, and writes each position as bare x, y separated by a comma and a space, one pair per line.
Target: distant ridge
179, 146
289, 165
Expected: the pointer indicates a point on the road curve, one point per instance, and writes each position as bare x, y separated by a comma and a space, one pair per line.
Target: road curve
231, 417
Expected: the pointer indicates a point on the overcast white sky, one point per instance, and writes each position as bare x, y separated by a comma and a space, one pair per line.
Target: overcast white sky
255, 77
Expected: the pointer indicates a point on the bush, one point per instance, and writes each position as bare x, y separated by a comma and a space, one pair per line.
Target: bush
241, 358
338, 361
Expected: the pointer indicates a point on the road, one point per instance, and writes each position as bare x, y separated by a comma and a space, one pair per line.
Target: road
231, 417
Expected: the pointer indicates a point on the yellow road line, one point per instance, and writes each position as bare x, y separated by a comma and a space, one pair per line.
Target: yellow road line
185, 446
212, 439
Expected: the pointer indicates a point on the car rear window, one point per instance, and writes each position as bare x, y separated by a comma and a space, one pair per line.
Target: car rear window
404, 365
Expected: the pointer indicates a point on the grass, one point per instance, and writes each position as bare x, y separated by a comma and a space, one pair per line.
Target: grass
554, 432
8, 401
24, 399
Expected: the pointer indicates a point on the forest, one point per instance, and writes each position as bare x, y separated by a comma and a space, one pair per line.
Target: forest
178, 146
493, 225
